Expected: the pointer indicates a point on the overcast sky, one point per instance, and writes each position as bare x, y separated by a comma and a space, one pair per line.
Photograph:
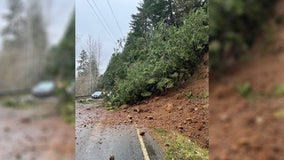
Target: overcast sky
95, 18
57, 14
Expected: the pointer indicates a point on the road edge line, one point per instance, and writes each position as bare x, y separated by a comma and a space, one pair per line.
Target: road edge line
144, 150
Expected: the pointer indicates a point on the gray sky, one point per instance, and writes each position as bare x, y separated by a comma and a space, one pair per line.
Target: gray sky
88, 23
57, 15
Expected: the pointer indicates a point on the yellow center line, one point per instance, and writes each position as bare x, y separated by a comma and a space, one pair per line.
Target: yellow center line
144, 150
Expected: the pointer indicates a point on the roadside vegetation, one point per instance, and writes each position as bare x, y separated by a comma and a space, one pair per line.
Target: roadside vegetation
61, 68
166, 43
179, 147
18, 102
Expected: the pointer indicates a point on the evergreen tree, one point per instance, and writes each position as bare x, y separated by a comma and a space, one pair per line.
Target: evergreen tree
14, 32
37, 39
61, 57
83, 66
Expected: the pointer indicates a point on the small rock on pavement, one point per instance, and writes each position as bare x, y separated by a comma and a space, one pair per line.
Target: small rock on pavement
88, 109
111, 157
141, 133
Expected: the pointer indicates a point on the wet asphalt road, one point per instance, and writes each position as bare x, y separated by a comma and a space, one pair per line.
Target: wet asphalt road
97, 142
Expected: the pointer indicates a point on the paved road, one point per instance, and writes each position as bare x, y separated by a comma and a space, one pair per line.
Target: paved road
97, 142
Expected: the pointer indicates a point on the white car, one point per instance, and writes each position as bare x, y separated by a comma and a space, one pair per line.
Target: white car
97, 95
44, 88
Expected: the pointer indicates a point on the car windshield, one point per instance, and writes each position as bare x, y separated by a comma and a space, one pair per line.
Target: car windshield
45, 85
97, 93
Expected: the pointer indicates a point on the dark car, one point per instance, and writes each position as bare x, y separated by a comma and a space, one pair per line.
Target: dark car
97, 95
44, 88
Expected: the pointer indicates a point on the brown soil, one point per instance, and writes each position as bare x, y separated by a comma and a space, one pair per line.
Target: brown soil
35, 133
247, 128
172, 111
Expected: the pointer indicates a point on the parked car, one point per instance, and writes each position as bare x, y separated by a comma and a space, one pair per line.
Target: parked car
44, 88
97, 95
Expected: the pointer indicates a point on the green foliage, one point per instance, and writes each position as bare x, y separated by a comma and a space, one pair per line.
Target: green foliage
84, 101
180, 147
189, 95
278, 90
279, 113
155, 60
205, 95
66, 106
68, 112
244, 89
18, 102
61, 57
234, 24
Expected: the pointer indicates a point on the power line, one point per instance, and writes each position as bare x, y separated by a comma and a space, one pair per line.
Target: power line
100, 13
114, 17
104, 26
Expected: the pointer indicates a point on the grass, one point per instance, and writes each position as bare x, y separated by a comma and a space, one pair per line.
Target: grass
84, 101
205, 95
278, 90
179, 147
67, 110
279, 113
244, 89
189, 95
18, 102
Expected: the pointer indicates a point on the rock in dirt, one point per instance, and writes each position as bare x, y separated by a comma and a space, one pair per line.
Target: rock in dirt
259, 120
149, 117
170, 107
188, 119
26, 120
125, 106
156, 98
138, 110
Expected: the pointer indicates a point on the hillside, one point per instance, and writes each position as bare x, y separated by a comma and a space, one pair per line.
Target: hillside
173, 111
159, 53
246, 103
